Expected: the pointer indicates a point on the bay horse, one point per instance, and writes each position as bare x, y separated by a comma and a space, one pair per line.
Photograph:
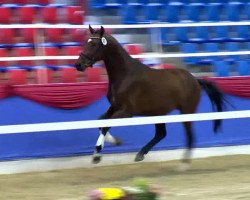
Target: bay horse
138, 90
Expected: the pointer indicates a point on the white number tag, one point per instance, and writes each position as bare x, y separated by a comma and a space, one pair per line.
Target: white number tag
104, 41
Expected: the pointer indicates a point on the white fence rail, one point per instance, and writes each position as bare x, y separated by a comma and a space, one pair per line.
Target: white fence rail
126, 26
150, 55
27, 128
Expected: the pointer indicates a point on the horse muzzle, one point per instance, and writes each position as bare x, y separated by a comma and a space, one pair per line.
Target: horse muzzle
79, 67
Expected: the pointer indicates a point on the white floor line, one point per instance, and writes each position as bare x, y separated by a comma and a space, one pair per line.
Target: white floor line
48, 164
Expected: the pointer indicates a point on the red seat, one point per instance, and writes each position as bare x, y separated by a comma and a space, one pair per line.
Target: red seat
3, 53
49, 15
17, 77
77, 35
166, 66
93, 74
5, 15
42, 2
28, 35
26, 15
74, 15
7, 36
43, 75
134, 49
50, 51
71, 51
68, 75
21, 2
22, 52
54, 35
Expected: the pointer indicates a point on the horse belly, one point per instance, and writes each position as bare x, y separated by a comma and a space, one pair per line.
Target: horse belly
153, 105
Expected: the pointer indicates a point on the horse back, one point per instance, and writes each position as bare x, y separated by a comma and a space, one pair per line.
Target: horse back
157, 92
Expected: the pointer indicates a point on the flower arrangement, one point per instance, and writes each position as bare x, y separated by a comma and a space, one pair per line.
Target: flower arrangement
140, 191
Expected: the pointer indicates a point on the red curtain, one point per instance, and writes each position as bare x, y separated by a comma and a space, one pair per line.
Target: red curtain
237, 86
66, 96
76, 95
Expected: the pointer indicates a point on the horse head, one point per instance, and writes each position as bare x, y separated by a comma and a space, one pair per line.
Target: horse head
93, 50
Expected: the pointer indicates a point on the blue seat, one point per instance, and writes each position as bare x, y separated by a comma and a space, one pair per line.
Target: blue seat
193, 12
98, 4
221, 68
138, 2
220, 34
151, 13
129, 14
233, 11
114, 4
199, 34
213, 12
231, 47
243, 67
166, 39
241, 34
181, 34
162, 2
209, 47
246, 12
189, 48
172, 12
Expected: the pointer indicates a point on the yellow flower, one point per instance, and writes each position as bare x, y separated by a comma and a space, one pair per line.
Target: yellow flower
111, 193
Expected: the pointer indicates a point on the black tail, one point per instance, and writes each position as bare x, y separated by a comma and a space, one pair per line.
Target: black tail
216, 97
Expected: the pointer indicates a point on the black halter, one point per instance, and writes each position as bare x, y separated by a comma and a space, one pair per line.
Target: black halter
92, 57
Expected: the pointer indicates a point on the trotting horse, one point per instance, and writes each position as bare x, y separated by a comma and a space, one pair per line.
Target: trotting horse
135, 89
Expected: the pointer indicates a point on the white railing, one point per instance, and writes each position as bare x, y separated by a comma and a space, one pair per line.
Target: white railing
27, 128
126, 26
148, 55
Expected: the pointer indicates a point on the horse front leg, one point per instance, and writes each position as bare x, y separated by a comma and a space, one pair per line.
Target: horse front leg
105, 136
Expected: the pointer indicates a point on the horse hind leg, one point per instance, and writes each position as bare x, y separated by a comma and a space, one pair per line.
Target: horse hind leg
189, 139
160, 133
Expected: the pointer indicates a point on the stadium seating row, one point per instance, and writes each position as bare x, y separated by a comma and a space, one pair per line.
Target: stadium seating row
52, 14
43, 75
100, 4
23, 2
60, 37
45, 50
222, 68
51, 50
213, 47
173, 36
176, 12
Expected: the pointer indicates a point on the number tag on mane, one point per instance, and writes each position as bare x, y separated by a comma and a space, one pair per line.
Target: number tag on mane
104, 41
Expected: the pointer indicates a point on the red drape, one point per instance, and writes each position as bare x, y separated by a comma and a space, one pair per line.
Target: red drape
76, 95
237, 86
66, 96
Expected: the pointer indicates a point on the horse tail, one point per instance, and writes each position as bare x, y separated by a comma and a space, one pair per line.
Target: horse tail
216, 97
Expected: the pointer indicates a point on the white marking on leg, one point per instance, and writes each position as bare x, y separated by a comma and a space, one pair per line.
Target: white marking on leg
109, 138
100, 141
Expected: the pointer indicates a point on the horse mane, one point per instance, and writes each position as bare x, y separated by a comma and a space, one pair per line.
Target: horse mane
115, 42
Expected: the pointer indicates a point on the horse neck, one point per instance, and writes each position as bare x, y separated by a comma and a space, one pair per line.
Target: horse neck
117, 63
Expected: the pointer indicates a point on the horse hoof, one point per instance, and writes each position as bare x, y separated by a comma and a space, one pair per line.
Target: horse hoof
184, 167
139, 157
118, 142
96, 158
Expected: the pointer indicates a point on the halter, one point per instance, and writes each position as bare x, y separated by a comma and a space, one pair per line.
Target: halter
91, 58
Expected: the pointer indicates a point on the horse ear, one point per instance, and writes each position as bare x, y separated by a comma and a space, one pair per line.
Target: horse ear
102, 31
91, 29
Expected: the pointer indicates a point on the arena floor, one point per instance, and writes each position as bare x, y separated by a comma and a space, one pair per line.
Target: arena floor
217, 178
